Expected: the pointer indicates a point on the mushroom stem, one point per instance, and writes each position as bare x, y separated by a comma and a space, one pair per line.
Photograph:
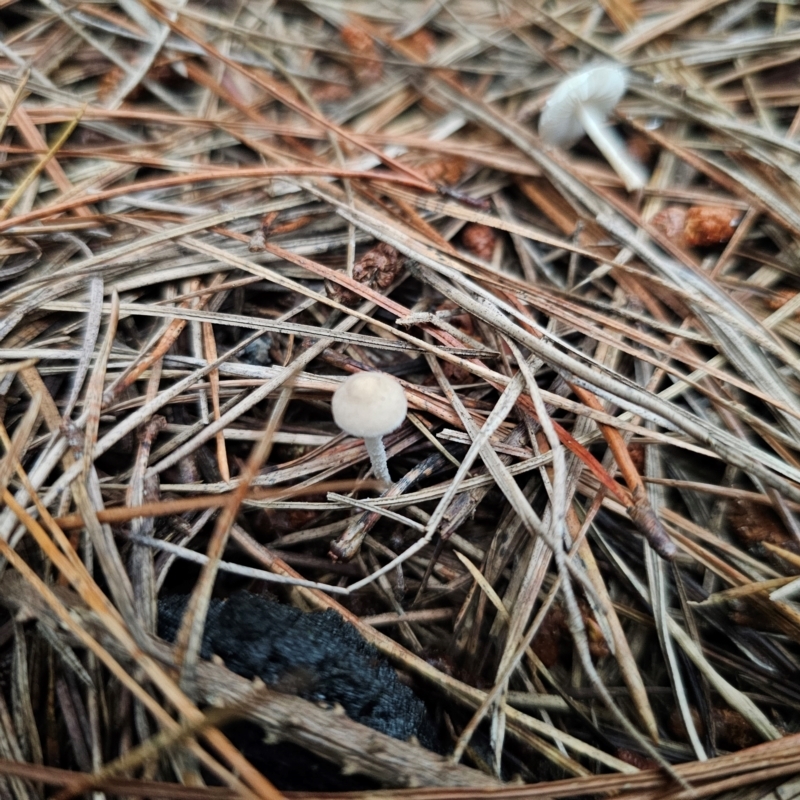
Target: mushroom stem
377, 455
611, 146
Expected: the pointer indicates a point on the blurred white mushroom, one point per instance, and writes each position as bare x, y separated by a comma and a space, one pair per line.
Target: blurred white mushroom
580, 104
370, 405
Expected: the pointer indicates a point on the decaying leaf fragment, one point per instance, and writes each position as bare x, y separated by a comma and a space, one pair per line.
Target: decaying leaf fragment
377, 268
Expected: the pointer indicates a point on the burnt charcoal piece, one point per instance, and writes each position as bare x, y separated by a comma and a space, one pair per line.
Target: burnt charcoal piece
316, 655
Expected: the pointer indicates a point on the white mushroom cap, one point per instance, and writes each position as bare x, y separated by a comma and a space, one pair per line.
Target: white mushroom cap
580, 105
369, 404
600, 88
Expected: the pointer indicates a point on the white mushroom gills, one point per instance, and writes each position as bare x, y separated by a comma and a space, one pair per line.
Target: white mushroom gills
580, 105
369, 405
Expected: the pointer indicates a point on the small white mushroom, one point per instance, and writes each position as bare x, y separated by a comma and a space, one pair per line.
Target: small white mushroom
370, 405
580, 104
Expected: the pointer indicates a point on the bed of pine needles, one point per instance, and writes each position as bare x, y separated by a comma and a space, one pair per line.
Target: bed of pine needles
211, 213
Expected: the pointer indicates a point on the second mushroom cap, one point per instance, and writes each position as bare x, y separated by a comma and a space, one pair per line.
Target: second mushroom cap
369, 404
580, 104
600, 88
